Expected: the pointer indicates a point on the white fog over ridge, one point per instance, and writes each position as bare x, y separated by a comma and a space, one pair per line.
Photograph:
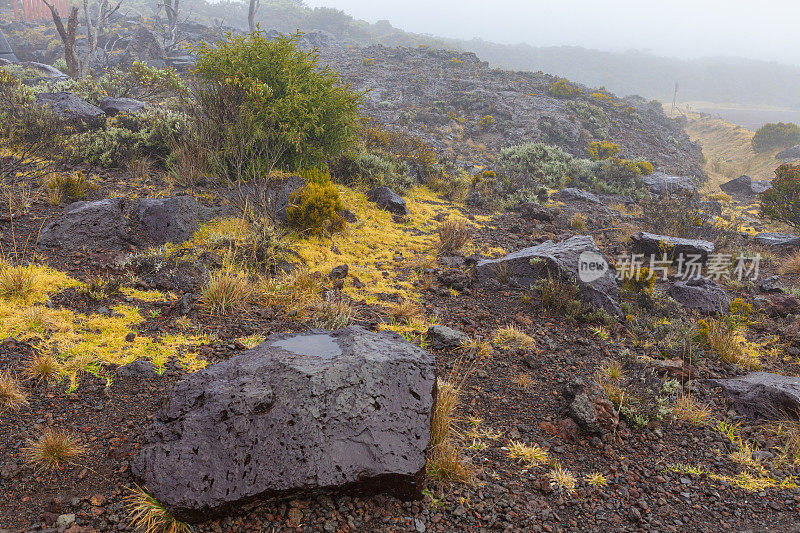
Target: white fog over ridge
686, 29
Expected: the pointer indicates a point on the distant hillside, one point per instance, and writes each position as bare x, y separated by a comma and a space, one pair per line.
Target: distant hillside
737, 80
729, 80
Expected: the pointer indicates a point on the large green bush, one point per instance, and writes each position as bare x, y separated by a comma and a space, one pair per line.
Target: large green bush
145, 134
782, 201
780, 135
274, 102
529, 167
367, 169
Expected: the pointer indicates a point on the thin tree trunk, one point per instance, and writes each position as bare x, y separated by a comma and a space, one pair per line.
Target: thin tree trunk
67, 37
251, 14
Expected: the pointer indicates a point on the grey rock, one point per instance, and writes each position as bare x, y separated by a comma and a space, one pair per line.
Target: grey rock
532, 211
6, 52
95, 224
777, 240
563, 259
652, 244
115, 223
162, 220
771, 284
760, 186
701, 294
65, 520
389, 200
442, 337
789, 153
571, 194
145, 46
662, 184
339, 272
348, 409
72, 109
582, 411
114, 106
741, 186
762, 394
137, 369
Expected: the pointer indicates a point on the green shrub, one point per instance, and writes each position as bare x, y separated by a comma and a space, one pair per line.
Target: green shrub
536, 164
138, 81
599, 150
398, 144
145, 134
780, 135
368, 169
290, 103
563, 89
529, 167
592, 117
315, 208
782, 201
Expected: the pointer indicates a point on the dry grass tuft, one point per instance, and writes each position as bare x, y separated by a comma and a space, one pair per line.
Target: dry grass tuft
790, 265
334, 312
53, 448
43, 367
596, 479
692, 412
511, 336
295, 291
147, 515
533, 455
11, 394
405, 312
225, 291
578, 222
725, 340
454, 234
18, 282
523, 381
562, 479
446, 461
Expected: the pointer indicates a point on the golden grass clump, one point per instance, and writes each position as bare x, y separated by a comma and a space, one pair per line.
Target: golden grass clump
562, 479
11, 394
533, 455
293, 291
53, 448
405, 312
596, 479
226, 290
334, 312
578, 222
725, 340
17, 282
43, 367
692, 412
445, 460
454, 234
790, 265
147, 515
511, 336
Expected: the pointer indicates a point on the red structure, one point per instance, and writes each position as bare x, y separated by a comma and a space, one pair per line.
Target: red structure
31, 10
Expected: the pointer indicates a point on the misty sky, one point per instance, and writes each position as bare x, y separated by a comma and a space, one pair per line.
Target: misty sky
762, 29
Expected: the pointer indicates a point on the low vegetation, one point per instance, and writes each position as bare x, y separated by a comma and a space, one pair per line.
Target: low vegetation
53, 449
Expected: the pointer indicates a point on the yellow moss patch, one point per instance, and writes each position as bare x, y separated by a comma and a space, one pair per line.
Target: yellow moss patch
82, 342
369, 245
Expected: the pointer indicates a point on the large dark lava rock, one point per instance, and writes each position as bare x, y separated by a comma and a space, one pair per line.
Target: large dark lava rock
662, 184
763, 395
347, 409
651, 244
116, 222
388, 200
701, 294
565, 259
72, 109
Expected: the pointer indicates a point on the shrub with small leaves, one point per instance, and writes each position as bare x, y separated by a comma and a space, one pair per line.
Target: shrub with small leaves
563, 89
782, 201
599, 150
315, 208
